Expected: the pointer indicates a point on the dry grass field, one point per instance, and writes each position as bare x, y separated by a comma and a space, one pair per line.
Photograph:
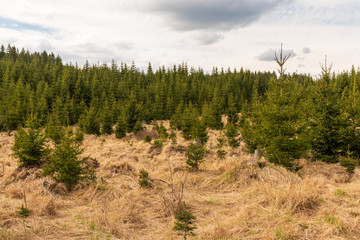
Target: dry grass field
230, 198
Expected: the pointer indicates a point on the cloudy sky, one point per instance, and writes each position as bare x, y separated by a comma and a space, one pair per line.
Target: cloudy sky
203, 33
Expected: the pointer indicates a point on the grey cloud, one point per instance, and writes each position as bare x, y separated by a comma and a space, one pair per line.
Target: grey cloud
269, 55
301, 65
306, 50
206, 38
16, 25
210, 14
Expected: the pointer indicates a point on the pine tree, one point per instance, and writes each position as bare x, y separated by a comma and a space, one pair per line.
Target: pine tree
232, 133
65, 164
330, 126
53, 129
30, 143
199, 132
89, 123
189, 117
212, 115
280, 120
195, 155
106, 121
120, 128
184, 222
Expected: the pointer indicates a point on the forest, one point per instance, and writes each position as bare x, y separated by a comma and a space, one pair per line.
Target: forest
288, 115
112, 151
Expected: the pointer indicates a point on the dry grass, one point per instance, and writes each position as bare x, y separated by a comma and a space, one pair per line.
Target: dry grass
230, 199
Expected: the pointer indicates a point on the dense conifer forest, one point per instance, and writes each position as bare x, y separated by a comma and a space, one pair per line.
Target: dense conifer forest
288, 115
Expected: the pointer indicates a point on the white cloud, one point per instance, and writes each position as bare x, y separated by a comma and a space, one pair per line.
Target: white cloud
270, 54
227, 33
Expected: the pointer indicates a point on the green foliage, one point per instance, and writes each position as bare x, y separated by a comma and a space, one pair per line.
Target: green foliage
137, 127
212, 114
79, 135
349, 162
189, 117
144, 179
147, 138
65, 164
53, 129
195, 154
159, 143
232, 134
184, 223
89, 122
199, 132
278, 125
132, 116
220, 142
120, 128
331, 129
161, 131
172, 136
106, 121
30, 144
221, 153
23, 211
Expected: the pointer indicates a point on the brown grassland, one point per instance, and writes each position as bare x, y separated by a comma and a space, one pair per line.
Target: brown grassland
230, 198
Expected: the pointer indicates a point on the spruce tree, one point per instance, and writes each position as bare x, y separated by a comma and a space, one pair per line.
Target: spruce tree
195, 154
232, 134
199, 132
106, 121
120, 128
331, 130
281, 121
184, 222
89, 122
53, 129
30, 143
65, 164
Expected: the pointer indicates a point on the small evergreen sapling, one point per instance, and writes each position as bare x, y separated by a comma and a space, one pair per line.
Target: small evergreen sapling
147, 138
65, 165
144, 179
184, 223
29, 146
349, 163
23, 211
195, 155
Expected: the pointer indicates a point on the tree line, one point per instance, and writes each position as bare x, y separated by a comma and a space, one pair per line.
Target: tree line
288, 116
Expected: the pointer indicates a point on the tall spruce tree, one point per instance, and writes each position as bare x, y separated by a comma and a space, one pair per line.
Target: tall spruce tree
281, 121
331, 130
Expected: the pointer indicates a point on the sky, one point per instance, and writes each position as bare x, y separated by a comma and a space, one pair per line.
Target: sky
202, 33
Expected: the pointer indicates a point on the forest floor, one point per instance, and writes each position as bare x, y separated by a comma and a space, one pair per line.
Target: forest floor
230, 198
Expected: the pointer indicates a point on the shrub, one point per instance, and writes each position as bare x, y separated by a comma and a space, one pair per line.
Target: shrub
158, 143
65, 165
184, 223
173, 137
137, 127
147, 138
221, 153
144, 180
195, 154
161, 131
29, 146
23, 211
